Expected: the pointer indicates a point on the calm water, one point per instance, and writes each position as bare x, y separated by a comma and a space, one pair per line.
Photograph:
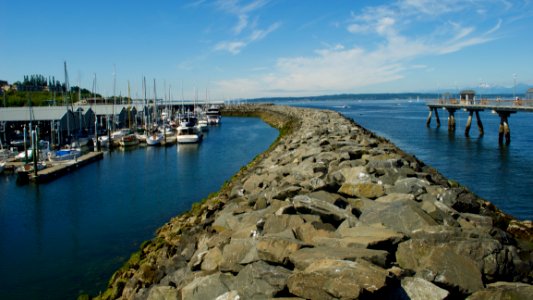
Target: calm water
500, 174
69, 236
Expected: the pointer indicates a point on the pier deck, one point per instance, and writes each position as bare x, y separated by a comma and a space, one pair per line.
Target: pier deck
504, 108
59, 169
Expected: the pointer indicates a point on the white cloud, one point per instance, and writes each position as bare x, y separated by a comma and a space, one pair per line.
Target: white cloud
403, 32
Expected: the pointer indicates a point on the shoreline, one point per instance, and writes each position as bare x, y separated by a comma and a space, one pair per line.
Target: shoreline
326, 196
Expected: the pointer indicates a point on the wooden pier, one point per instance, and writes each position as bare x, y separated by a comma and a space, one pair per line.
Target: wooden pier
504, 109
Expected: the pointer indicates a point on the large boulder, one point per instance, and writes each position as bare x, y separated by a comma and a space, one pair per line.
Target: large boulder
504, 290
238, 253
163, 293
260, 280
207, 287
403, 216
328, 212
440, 264
420, 289
368, 190
333, 279
277, 249
306, 256
275, 224
370, 236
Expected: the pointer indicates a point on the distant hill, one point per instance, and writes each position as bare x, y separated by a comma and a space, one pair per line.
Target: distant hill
492, 91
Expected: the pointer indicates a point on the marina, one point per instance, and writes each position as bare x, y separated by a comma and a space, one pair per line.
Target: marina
73, 232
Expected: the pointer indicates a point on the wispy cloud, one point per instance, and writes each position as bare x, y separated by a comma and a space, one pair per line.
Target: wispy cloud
232, 47
235, 47
241, 10
448, 26
245, 31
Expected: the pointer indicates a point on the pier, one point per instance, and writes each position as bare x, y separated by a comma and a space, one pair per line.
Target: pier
504, 109
57, 169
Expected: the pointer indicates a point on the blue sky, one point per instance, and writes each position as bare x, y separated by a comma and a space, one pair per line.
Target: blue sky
256, 48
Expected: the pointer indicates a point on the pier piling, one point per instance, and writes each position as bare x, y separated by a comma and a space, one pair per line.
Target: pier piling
451, 119
469, 122
479, 124
428, 121
504, 130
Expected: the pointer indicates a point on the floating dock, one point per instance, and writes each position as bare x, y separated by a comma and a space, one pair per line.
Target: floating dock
58, 169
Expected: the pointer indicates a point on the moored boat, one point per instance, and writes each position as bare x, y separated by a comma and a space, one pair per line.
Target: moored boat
188, 135
213, 116
154, 139
63, 155
128, 140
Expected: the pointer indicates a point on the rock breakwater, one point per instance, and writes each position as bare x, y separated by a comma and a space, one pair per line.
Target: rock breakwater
332, 211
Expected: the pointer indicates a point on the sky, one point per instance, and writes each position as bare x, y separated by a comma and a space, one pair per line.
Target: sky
238, 49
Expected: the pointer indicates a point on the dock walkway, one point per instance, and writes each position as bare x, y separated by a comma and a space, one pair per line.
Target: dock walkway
58, 169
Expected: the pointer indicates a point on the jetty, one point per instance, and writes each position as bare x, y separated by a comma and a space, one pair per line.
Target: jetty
332, 211
468, 103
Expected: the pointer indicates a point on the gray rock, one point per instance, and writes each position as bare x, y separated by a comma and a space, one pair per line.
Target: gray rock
441, 265
307, 233
504, 290
328, 212
277, 249
392, 197
163, 293
207, 287
333, 279
371, 236
260, 280
275, 224
332, 198
212, 260
412, 186
412, 217
238, 253
286, 192
368, 190
304, 257
230, 295
421, 289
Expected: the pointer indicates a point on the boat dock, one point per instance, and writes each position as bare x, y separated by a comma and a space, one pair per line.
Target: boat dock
57, 169
504, 109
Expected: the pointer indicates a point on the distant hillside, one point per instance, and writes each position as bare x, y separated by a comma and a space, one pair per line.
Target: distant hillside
503, 93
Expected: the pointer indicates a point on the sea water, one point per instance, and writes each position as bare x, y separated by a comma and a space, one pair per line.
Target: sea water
67, 237
498, 173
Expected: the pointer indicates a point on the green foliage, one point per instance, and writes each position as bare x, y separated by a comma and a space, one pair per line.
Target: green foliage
43, 98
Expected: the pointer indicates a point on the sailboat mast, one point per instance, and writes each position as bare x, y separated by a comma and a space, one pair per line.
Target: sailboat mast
114, 95
65, 98
155, 105
129, 105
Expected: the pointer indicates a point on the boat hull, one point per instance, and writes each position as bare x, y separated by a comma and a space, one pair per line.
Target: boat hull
188, 139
